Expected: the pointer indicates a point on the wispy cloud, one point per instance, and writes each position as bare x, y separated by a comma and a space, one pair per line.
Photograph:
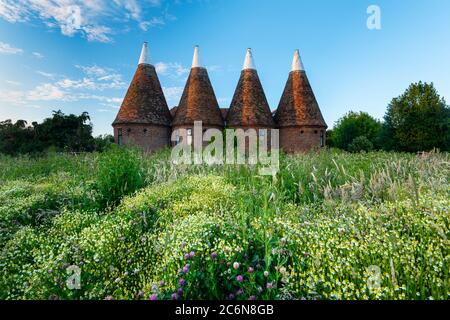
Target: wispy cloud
173, 69
6, 48
13, 83
58, 88
47, 92
46, 74
90, 18
38, 55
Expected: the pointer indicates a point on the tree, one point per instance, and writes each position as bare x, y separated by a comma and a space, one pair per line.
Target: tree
66, 132
418, 120
16, 137
354, 125
60, 132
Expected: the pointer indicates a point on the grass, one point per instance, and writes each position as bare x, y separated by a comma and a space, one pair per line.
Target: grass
330, 225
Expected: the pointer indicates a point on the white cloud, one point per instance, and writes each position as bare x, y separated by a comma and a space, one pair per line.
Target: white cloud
46, 74
155, 21
12, 97
47, 92
97, 78
13, 83
93, 70
38, 55
6, 48
90, 18
173, 69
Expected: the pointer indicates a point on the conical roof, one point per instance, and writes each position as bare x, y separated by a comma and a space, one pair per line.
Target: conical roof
249, 107
198, 101
298, 105
144, 102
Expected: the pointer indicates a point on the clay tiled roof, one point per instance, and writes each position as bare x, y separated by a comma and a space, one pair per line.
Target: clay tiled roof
224, 112
298, 105
173, 111
249, 106
198, 102
144, 102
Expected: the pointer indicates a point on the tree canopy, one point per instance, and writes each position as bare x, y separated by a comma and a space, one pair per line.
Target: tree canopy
418, 120
355, 125
60, 132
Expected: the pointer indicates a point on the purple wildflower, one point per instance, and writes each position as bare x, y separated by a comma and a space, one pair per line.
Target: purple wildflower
153, 297
192, 254
186, 256
174, 296
269, 285
252, 298
183, 244
162, 283
213, 255
180, 291
240, 291
186, 268
231, 296
240, 278
182, 282
250, 270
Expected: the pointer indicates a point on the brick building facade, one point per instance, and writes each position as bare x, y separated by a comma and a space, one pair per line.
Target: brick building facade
198, 103
144, 118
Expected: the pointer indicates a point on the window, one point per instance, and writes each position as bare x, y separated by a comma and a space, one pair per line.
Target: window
145, 130
262, 132
322, 139
177, 137
315, 131
129, 130
189, 136
301, 132
119, 136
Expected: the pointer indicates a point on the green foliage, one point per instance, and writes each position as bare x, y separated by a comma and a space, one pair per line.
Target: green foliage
352, 126
119, 173
321, 229
418, 120
59, 133
360, 144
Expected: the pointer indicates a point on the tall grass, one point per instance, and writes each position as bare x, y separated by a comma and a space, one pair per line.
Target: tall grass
329, 225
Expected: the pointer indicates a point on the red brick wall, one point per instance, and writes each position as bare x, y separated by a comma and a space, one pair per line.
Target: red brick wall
301, 139
148, 137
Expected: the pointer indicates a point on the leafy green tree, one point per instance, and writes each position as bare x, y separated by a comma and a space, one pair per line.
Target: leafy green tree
418, 120
354, 125
360, 144
16, 137
330, 139
66, 132
59, 133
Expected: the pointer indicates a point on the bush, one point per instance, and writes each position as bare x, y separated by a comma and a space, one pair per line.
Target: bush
360, 144
119, 173
418, 120
352, 126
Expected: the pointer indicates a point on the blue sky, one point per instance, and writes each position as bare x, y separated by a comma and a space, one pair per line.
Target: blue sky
80, 55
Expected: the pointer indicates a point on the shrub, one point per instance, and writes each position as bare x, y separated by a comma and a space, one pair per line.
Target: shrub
119, 173
359, 144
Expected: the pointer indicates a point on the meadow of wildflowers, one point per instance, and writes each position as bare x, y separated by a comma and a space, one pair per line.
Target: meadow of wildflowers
329, 225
